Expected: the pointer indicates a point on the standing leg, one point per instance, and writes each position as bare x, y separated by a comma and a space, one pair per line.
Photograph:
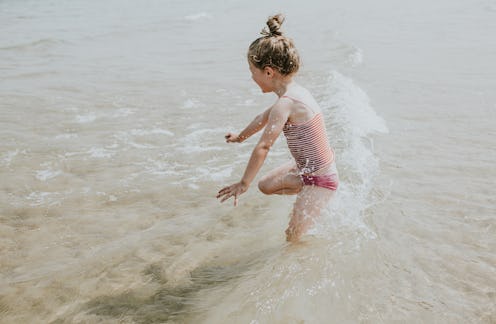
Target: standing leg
307, 208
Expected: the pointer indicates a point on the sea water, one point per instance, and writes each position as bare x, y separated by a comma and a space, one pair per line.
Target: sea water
111, 153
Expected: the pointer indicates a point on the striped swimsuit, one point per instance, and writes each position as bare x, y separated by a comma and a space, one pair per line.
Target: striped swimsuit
309, 145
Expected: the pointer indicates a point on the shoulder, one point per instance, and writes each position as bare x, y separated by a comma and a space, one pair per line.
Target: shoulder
302, 100
281, 110
283, 104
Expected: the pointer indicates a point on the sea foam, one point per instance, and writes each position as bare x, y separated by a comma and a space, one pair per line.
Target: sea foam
353, 123
198, 16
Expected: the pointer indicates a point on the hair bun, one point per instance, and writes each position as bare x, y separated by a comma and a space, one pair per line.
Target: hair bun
274, 23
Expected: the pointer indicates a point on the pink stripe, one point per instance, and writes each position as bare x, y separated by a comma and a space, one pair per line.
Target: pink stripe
308, 144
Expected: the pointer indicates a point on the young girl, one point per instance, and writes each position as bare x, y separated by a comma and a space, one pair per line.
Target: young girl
312, 176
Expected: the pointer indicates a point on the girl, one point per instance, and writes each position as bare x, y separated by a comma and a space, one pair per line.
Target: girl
312, 176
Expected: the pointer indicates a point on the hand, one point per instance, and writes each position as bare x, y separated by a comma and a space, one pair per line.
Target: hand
232, 138
232, 191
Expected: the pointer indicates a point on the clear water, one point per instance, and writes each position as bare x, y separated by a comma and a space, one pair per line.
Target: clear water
111, 153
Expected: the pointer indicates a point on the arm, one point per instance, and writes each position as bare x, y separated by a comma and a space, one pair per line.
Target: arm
275, 123
277, 117
257, 124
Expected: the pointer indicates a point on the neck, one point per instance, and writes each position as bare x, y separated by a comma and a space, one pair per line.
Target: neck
282, 86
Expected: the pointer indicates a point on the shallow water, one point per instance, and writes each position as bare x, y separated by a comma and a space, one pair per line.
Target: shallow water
112, 150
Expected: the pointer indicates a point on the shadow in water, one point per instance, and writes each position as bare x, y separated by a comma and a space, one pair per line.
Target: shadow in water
172, 303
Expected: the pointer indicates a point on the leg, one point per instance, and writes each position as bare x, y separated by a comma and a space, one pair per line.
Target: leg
283, 180
307, 207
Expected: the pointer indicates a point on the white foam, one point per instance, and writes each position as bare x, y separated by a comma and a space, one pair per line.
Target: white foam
154, 131
8, 157
199, 148
195, 126
221, 174
39, 198
66, 136
125, 137
71, 109
44, 175
193, 186
216, 174
198, 16
71, 154
351, 107
191, 103
141, 146
200, 140
109, 197
157, 167
353, 122
248, 102
84, 119
123, 112
355, 58
100, 152
202, 133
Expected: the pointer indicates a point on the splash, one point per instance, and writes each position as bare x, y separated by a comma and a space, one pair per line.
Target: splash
353, 122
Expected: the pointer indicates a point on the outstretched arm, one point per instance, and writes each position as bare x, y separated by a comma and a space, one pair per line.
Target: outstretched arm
278, 116
256, 125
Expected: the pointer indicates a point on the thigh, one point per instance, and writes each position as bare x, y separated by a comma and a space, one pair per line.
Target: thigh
285, 176
309, 204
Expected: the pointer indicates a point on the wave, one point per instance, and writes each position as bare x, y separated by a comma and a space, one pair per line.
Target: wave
43, 43
198, 16
351, 123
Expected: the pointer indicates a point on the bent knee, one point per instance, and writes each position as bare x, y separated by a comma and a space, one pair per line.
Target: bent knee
264, 187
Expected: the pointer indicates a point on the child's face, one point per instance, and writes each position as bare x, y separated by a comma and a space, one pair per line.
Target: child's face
261, 78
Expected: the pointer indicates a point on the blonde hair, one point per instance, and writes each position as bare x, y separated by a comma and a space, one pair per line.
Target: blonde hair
274, 49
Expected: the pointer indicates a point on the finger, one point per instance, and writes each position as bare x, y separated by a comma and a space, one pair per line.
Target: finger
226, 197
223, 191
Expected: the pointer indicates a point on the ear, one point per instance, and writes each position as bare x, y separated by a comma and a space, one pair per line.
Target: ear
269, 71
